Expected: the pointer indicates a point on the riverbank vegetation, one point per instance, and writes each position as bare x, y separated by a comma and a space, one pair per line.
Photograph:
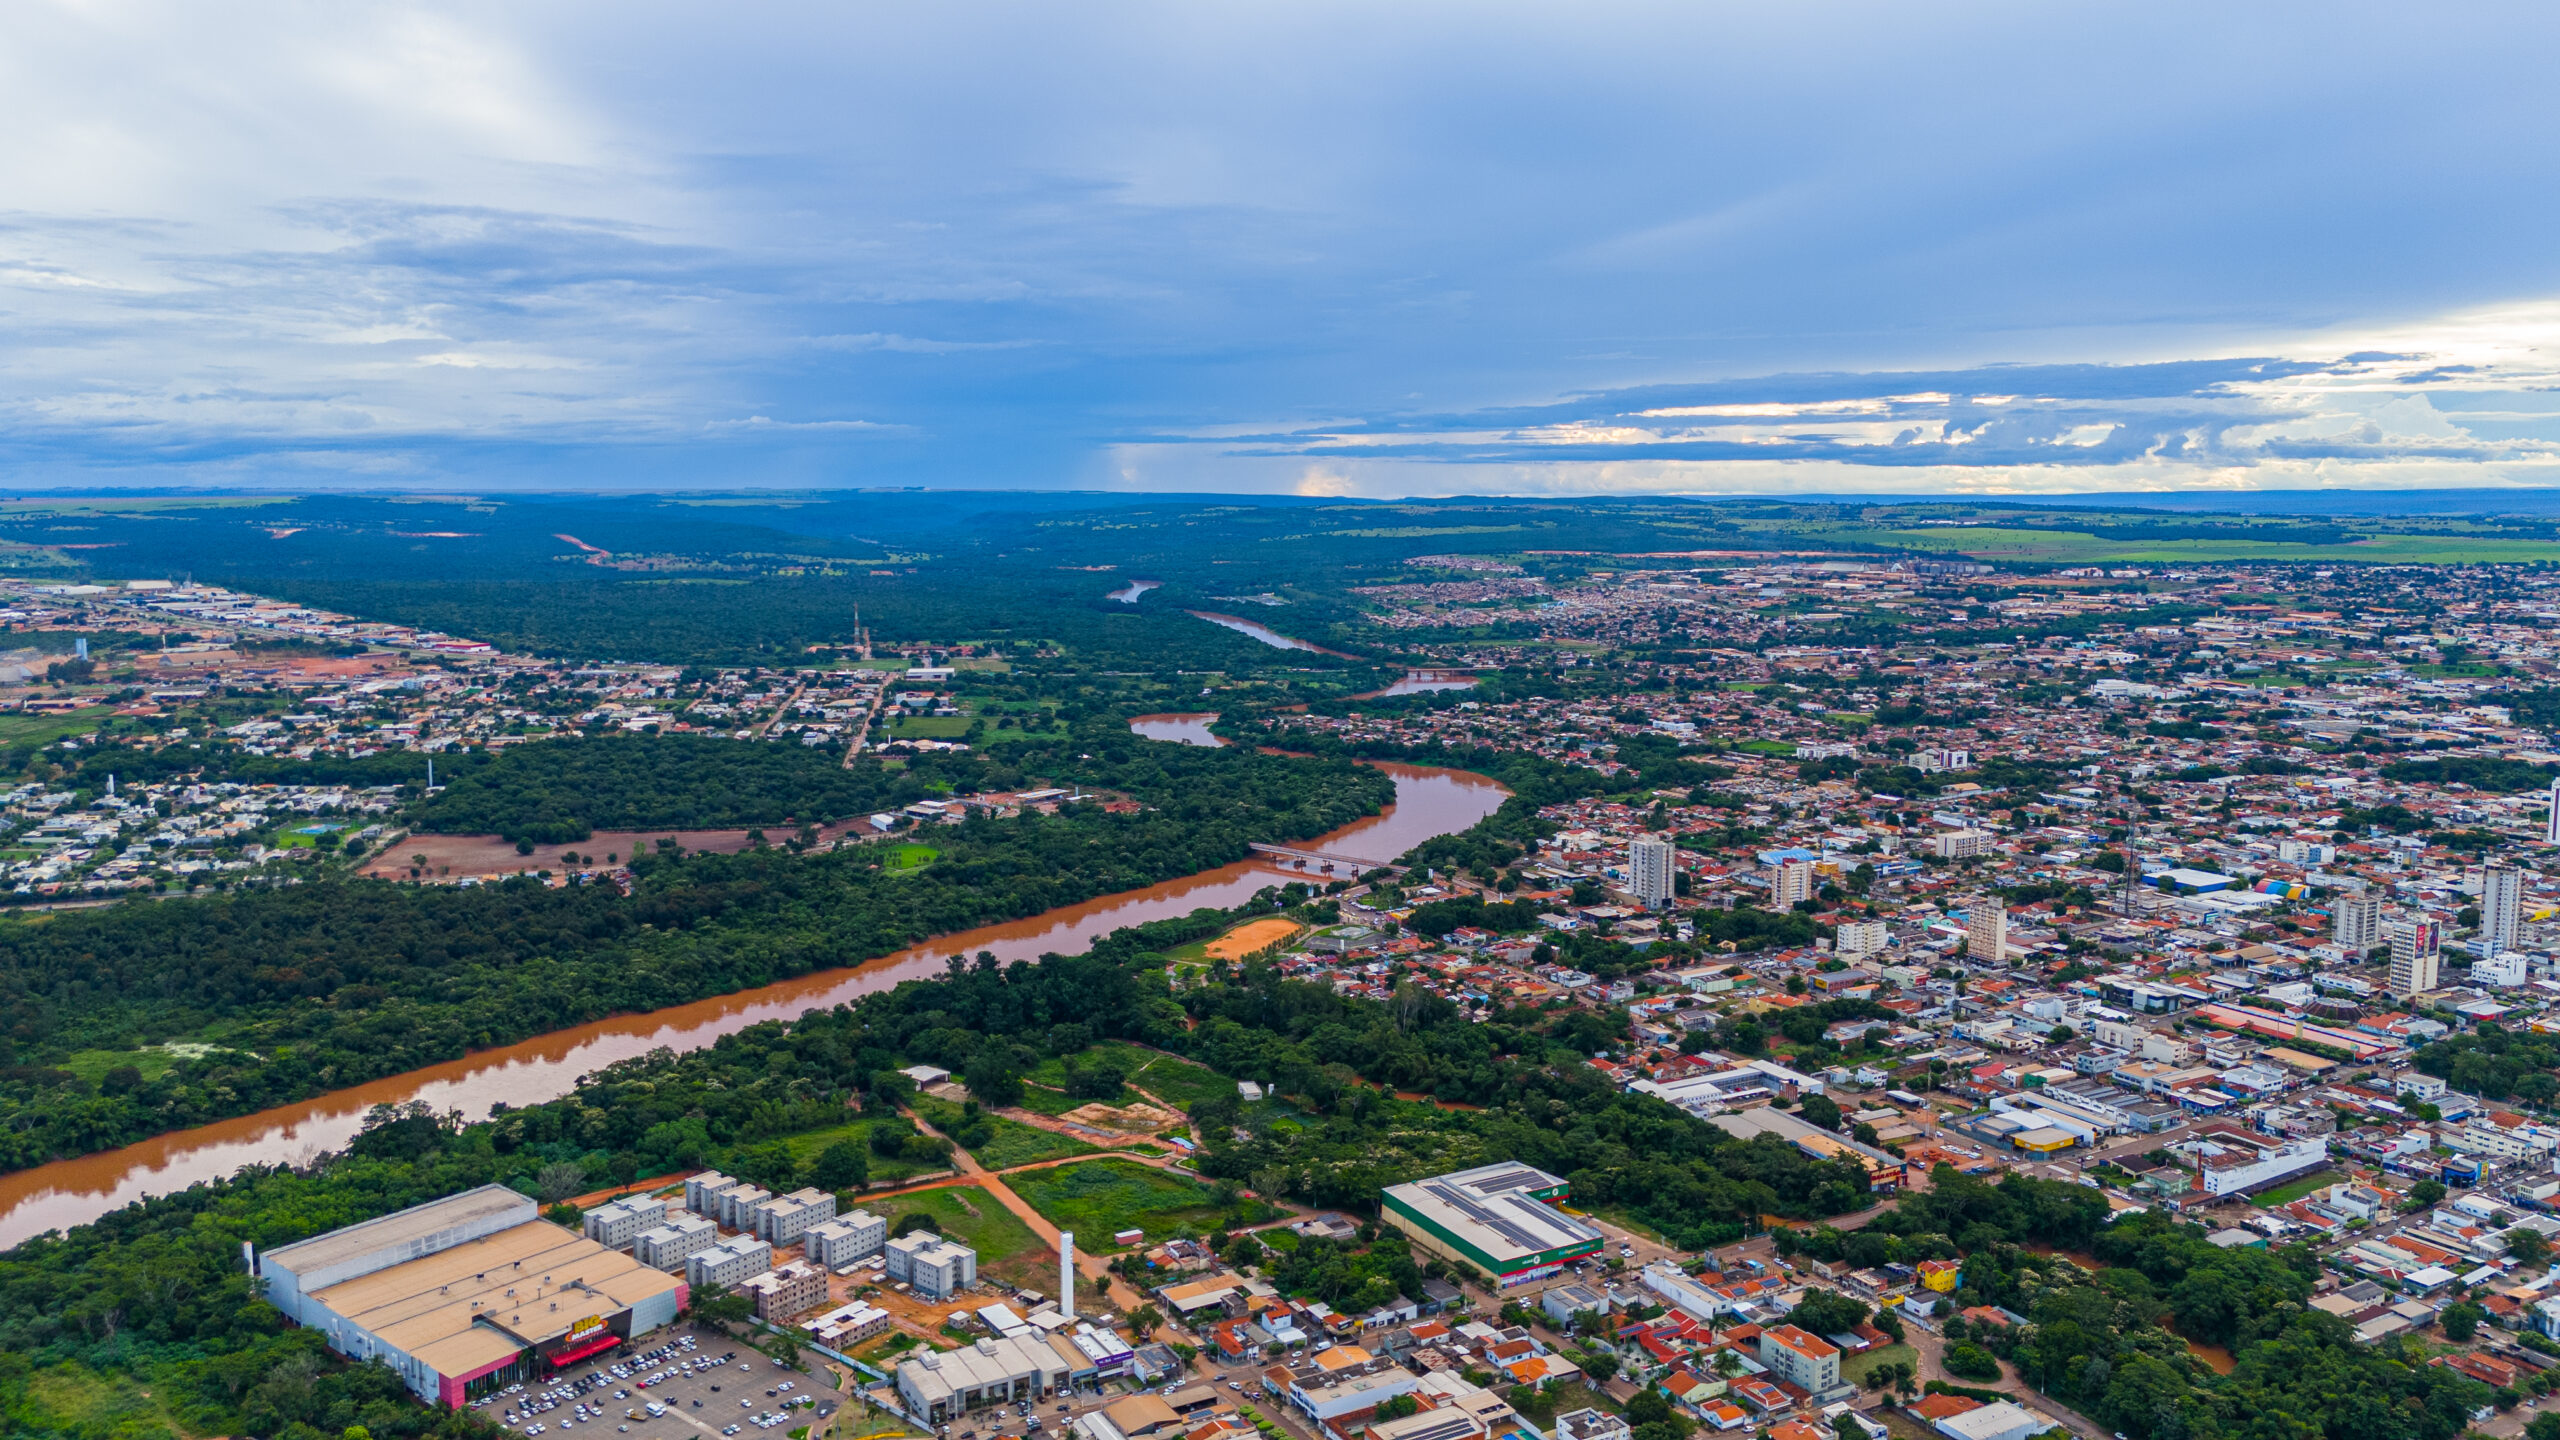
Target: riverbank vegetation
323, 985
153, 1296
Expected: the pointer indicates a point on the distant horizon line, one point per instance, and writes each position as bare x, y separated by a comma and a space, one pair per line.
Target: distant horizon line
2341, 501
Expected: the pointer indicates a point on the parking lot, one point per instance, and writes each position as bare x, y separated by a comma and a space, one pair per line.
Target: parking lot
702, 1383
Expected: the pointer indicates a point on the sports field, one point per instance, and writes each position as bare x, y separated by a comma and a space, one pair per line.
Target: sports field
1246, 939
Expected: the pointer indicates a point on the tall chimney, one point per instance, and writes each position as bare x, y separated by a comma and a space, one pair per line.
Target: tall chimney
1067, 1273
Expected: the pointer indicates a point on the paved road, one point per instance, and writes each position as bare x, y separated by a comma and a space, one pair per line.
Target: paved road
1932, 1348
792, 699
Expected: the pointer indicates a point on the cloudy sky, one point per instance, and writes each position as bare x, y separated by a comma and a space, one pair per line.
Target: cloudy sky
1328, 249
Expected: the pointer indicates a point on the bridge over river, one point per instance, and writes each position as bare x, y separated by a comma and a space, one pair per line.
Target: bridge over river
1321, 862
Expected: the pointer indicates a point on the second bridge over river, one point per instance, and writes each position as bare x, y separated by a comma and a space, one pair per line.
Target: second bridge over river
1320, 862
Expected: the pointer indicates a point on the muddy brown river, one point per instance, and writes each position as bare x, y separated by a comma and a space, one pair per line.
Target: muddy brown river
1429, 801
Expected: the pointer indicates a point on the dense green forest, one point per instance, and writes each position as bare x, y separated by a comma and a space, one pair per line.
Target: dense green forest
326, 984
566, 789
153, 1296
2102, 1341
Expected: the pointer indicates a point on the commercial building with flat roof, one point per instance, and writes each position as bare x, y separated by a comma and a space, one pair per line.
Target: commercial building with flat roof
1496, 1218
940, 1385
462, 1295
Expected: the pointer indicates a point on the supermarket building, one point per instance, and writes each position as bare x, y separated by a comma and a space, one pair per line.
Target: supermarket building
1501, 1219
462, 1295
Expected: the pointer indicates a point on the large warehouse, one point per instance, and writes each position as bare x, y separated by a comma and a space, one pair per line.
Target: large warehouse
468, 1293
1497, 1218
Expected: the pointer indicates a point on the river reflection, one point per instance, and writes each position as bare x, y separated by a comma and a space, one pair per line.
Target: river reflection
70, 1192
1265, 633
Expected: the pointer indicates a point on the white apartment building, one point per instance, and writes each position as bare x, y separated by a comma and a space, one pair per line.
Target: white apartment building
1961, 844
1790, 882
1856, 938
783, 1219
1651, 864
936, 1267
2416, 947
614, 1226
845, 1239
1986, 929
1804, 1360
2501, 906
668, 1246
728, 1262
2355, 920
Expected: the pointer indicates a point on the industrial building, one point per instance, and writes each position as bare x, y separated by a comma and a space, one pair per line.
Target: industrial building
1496, 1218
934, 1266
845, 1239
463, 1295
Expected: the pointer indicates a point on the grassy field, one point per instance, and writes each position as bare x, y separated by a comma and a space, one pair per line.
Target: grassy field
932, 727
153, 1062
1014, 1144
2293, 1190
807, 1146
1006, 1247
907, 857
1768, 747
1854, 1368
1180, 1083
1101, 1197
45, 729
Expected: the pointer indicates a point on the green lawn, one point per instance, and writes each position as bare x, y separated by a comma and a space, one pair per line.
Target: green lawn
1005, 1245
1014, 1144
1768, 747
1854, 1368
2293, 1190
907, 857
1101, 1197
